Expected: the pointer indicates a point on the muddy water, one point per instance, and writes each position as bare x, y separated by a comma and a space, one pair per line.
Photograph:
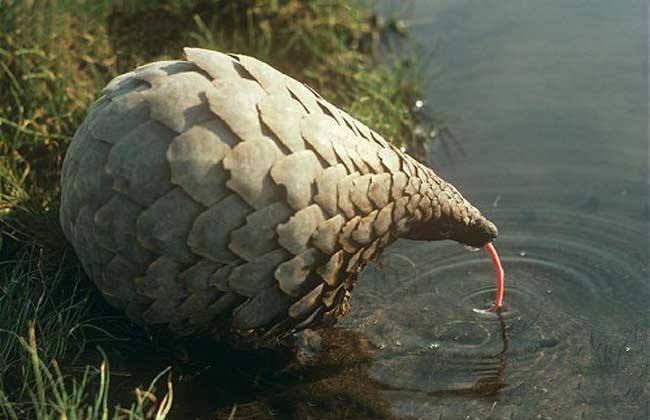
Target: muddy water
550, 101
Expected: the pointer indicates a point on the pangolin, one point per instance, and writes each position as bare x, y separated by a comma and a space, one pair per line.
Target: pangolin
218, 196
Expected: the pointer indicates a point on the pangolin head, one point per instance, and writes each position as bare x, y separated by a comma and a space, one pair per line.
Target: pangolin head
455, 218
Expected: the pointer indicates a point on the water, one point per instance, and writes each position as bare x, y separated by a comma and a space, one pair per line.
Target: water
550, 101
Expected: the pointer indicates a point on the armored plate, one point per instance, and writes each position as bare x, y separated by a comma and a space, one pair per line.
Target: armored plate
217, 196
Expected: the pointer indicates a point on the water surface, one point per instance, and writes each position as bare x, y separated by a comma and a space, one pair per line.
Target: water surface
549, 99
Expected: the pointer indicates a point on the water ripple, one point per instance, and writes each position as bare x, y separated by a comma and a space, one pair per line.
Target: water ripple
566, 274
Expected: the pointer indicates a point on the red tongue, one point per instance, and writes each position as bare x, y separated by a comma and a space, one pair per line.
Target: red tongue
499, 271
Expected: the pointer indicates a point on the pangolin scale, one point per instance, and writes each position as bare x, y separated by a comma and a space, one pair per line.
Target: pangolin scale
219, 196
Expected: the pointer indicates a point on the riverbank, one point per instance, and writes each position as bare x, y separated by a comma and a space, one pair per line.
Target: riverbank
57, 336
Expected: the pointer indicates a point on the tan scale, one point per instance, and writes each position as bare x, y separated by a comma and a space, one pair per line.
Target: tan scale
217, 196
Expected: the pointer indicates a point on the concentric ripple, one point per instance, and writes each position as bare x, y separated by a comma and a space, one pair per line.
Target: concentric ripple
569, 278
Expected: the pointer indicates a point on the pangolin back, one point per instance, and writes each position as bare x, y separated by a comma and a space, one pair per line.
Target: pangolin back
218, 196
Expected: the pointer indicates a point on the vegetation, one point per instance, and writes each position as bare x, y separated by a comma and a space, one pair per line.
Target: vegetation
55, 56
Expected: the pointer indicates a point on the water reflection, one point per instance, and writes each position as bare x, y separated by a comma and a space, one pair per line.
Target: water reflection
575, 298
483, 376
323, 376
549, 99
334, 373
414, 345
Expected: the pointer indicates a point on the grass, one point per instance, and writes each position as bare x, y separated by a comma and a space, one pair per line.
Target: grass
55, 56
55, 300
86, 396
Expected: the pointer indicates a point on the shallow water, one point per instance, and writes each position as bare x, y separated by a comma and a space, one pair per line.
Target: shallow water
549, 99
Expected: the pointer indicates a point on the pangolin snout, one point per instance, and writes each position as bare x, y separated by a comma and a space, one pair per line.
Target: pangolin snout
477, 233
463, 223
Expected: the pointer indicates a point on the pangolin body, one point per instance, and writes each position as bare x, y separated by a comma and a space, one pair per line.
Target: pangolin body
218, 196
